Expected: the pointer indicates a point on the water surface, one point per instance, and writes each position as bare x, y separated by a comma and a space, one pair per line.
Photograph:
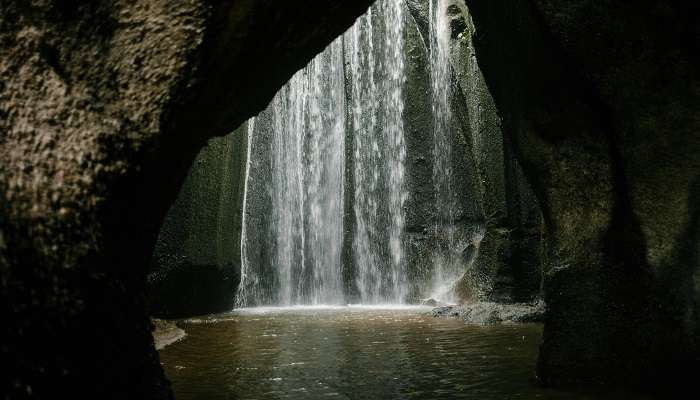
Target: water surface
353, 353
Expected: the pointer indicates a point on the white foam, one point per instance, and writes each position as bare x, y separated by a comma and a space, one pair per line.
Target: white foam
330, 307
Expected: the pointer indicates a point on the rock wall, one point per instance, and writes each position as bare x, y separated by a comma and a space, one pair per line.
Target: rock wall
509, 260
103, 108
423, 240
600, 100
195, 267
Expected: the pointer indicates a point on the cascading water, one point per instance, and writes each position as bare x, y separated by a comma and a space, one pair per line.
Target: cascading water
307, 177
307, 182
249, 279
447, 267
376, 53
395, 71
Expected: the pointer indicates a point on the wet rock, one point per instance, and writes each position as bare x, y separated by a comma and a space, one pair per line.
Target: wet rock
458, 25
166, 333
195, 266
506, 262
488, 313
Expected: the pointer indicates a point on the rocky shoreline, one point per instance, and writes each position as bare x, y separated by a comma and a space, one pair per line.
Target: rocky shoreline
488, 313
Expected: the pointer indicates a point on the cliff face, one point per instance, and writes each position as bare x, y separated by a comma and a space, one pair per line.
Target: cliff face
600, 100
508, 261
103, 107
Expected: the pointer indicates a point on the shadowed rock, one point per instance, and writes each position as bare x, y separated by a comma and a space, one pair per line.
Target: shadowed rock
103, 107
600, 101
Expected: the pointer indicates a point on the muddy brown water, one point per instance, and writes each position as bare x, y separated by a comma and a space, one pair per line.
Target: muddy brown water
353, 353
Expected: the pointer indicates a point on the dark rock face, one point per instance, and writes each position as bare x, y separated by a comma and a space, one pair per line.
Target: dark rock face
422, 240
507, 262
600, 102
195, 268
103, 107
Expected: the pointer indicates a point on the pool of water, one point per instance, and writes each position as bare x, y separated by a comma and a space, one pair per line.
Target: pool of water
353, 353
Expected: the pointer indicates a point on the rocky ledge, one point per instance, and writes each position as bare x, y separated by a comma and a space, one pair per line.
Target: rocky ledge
487, 313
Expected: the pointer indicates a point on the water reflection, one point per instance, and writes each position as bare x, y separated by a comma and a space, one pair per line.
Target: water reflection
352, 353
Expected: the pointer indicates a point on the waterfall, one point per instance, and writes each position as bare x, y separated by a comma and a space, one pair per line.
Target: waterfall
310, 119
307, 158
366, 157
249, 280
395, 142
376, 56
446, 267
326, 175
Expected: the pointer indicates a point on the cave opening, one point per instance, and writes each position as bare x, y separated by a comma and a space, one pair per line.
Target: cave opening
393, 182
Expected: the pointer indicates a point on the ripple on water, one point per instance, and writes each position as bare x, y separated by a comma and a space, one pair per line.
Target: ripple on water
352, 353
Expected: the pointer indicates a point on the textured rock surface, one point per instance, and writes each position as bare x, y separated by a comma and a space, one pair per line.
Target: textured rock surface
103, 106
487, 313
422, 241
600, 99
508, 263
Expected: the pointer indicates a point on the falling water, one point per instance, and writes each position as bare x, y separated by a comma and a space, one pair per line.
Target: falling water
395, 158
249, 280
326, 175
376, 55
366, 157
309, 121
446, 266
307, 158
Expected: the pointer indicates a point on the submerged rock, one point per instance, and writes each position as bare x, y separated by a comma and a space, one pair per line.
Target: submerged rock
487, 313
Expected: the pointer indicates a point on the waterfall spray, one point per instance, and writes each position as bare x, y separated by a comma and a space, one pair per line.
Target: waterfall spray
446, 267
